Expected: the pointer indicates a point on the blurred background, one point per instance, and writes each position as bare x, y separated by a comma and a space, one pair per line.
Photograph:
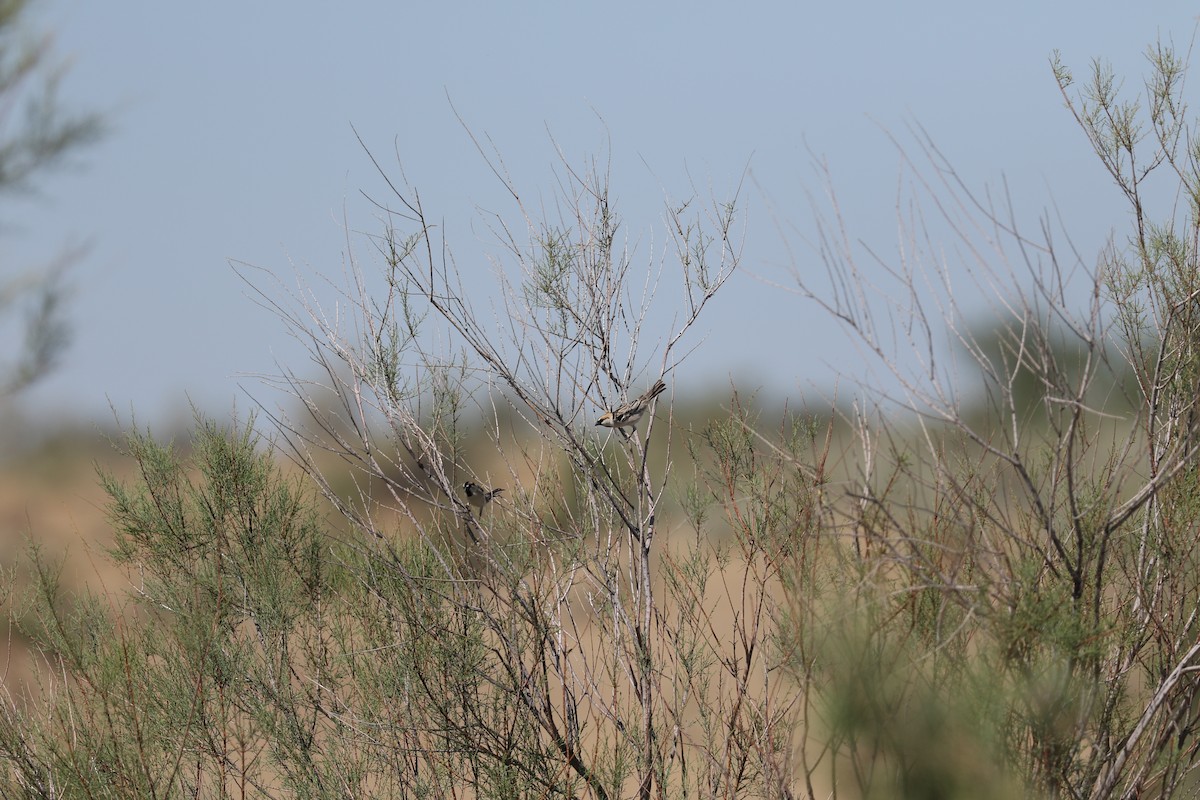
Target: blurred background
229, 136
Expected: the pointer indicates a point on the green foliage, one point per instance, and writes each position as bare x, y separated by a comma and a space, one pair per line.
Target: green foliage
167, 693
37, 136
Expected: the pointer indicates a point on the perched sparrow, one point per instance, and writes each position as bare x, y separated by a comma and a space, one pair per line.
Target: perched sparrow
479, 496
626, 416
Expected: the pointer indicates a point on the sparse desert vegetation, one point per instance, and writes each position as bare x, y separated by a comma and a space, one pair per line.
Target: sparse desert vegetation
969, 582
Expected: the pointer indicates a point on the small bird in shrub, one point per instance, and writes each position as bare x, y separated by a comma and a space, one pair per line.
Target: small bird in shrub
627, 415
479, 496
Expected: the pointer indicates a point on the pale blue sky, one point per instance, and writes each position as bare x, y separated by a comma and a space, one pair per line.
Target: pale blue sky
231, 139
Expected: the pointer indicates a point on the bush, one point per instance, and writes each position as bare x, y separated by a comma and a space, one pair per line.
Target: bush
920, 595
